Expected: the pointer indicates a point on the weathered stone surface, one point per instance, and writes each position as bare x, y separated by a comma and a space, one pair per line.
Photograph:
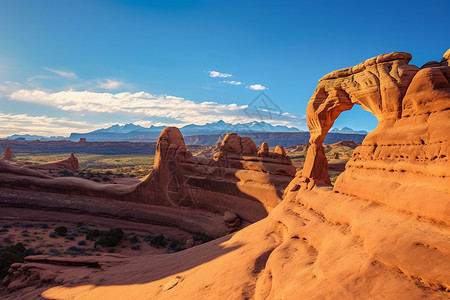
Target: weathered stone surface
236, 179
407, 154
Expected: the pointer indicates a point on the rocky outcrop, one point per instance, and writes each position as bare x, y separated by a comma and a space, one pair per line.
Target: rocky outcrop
407, 154
8, 154
239, 178
70, 163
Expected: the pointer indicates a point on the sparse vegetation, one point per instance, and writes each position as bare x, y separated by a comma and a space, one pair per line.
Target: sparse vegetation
61, 230
9, 255
110, 238
203, 237
158, 241
92, 234
95, 165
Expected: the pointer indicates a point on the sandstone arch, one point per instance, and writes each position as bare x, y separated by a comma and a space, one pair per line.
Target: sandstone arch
404, 161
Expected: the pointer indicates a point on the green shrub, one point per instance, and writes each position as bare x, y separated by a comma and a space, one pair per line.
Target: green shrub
10, 255
203, 237
61, 230
134, 239
110, 238
158, 241
92, 234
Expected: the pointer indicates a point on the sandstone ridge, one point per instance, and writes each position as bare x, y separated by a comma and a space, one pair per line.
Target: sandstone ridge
238, 178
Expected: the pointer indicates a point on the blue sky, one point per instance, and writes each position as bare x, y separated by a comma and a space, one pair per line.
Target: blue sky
74, 66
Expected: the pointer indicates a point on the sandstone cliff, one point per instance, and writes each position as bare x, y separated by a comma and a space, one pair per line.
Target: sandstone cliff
238, 178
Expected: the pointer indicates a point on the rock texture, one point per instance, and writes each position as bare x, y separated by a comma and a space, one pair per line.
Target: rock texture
407, 154
239, 178
8, 154
70, 163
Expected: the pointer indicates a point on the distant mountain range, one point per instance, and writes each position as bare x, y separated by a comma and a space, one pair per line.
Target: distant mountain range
348, 130
29, 137
131, 132
137, 133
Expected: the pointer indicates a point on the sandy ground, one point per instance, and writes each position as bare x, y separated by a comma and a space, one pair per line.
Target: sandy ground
34, 229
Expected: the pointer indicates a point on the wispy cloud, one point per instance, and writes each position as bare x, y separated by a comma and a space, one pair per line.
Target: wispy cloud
257, 87
232, 82
61, 73
110, 84
218, 74
145, 105
42, 125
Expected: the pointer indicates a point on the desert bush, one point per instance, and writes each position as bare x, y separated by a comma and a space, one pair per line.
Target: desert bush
92, 234
134, 239
110, 238
106, 178
203, 237
158, 241
61, 230
9, 255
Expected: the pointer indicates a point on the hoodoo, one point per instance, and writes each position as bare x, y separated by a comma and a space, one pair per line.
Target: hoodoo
8, 154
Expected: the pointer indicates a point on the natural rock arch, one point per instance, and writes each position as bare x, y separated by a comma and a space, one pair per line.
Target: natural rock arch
378, 85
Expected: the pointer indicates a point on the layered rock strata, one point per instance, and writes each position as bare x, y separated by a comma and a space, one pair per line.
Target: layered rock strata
239, 178
402, 163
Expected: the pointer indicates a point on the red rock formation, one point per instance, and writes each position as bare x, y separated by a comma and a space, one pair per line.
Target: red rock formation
8, 154
236, 179
408, 152
350, 144
70, 163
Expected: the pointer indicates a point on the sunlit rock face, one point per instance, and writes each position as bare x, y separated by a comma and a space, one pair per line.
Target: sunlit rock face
239, 178
70, 163
404, 161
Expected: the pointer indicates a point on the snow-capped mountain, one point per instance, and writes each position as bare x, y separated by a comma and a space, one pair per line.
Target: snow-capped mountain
348, 130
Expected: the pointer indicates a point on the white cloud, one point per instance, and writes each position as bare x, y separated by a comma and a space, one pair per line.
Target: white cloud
175, 110
232, 82
43, 125
218, 74
63, 73
110, 84
257, 87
